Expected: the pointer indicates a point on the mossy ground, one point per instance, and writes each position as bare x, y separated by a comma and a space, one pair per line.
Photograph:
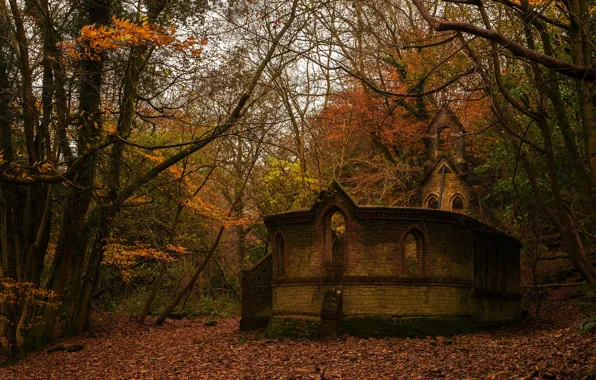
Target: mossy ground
373, 326
406, 327
284, 327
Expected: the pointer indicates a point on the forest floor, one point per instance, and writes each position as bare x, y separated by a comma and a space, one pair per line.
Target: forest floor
117, 347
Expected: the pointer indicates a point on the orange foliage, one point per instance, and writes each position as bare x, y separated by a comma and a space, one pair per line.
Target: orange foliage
204, 204
125, 33
32, 295
474, 112
360, 110
124, 257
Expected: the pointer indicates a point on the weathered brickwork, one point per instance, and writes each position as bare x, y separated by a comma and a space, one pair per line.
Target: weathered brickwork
495, 311
376, 299
406, 300
452, 186
298, 299
380, 326
299, 326
257, 296
464, 272
446, 166
445, 137
386, 270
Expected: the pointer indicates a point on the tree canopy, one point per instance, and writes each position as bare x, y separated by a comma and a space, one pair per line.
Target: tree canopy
134, 136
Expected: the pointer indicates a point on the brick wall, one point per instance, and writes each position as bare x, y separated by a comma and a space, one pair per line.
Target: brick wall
465, 268
374, 247
406, 300
257, 297
376, 299
453, 185
496, 311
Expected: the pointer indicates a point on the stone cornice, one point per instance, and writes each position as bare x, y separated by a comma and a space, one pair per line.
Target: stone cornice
372, 280
290, 217
425, 215
392, 213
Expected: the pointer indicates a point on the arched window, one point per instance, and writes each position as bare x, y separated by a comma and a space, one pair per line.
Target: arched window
338, 239
413, 248
432, 202
336, 235
444, 139
457, 204
280, 248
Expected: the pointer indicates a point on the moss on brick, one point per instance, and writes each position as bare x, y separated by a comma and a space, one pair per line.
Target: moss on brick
374, 326
287, 327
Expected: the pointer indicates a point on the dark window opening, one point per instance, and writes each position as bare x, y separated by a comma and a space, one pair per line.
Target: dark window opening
280, 247
337, 224
444, 139
457, 204
432, 202
413, 250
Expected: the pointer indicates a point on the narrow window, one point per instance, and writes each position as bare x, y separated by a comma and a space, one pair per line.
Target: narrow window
445, 139
508, 272
457, 204
486, 263
432, 202
477, 267
280, 247
338, 239
412, 248
494, 270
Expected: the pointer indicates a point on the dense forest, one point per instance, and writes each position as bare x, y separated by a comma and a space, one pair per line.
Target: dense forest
142, 143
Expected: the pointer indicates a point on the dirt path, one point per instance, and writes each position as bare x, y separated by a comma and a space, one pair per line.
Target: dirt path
189, 349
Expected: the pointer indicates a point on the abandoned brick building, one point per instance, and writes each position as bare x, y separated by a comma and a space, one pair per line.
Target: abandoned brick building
366, 270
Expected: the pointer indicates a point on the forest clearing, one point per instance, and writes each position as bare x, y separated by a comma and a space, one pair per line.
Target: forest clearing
188, 349
297, 189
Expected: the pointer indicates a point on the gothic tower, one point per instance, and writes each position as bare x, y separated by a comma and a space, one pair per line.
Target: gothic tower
445, 185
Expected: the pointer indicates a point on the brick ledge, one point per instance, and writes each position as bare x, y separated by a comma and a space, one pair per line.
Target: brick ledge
366, 280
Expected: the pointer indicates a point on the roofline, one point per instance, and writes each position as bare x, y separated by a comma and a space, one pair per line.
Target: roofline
448, 109
453, 170
391, 212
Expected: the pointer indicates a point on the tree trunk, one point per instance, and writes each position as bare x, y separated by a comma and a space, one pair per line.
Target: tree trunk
71, 248
166, 313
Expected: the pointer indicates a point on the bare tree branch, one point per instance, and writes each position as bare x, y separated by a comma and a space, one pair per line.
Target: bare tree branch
584, 73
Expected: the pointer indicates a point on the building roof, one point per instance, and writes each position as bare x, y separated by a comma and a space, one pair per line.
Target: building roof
444, 118
380, 212
444, 161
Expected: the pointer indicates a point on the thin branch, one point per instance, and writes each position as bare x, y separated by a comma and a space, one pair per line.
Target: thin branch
580, 72
432, 44
409, 94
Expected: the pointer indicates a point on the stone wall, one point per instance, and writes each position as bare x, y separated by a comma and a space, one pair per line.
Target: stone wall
465, 272
495, 311
382, 299
374, 244
496, 266
257, 296
453, 185
445, 137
